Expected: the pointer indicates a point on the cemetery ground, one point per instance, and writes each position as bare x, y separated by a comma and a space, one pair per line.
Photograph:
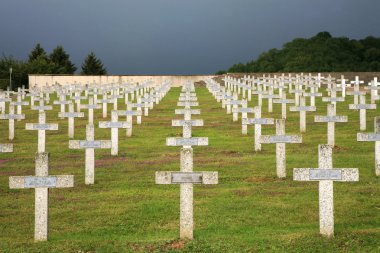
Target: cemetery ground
249, 210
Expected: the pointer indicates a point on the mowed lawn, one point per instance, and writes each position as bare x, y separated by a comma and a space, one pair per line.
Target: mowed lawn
250, 210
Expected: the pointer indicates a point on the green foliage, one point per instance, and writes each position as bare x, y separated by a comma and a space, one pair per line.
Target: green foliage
62, 62
321, 53
19, 70
93, 65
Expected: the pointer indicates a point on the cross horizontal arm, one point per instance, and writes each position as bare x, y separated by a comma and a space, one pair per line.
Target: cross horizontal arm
175, 177
61, 181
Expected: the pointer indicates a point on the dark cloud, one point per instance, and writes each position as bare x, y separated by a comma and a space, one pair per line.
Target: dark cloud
176, 36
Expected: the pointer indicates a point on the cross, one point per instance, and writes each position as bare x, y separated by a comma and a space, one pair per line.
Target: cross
280, 139
187, 124
356, 91
71, 115
11, 117
41, 182
186, 178
139, 107
42, 106
105, 102
77, 98
6, 148
148, 104
187, 112
326, 174
62, 102
331, 118
258, 121
362, 107
376, 138
89, 145
41, 126
283, 101
19, 105
3, 100
129, 113
270, 96
373, 88
244, 110
302, 109
260, 94
114, 124
90, 106
235, 104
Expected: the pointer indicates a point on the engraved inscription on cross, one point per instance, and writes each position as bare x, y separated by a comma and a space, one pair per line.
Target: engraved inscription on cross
326, 175
11, 118
71, 115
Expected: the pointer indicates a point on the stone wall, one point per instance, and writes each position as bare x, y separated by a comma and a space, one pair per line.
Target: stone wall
177, 80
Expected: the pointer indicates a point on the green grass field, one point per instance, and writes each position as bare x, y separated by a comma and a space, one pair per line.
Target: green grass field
250, 210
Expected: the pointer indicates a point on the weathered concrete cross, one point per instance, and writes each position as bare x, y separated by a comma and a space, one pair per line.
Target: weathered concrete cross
280, 139
331, 119
89, 145
186, 178
302, 109
376, 138
326, 175
11, 118
41, 127
71, 115
41, 182
362, 107
114, 124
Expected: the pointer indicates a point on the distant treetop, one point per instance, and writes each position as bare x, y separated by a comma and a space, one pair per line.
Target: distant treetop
321, 53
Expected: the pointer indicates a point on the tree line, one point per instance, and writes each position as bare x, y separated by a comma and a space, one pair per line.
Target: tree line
39, 62
321, 53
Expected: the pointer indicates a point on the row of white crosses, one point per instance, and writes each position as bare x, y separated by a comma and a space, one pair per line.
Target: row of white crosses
186, 177
42, 181
325, 173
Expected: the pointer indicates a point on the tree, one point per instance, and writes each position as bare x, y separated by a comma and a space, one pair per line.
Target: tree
320, 53
93, 66
62, 62
37, 52
19, 72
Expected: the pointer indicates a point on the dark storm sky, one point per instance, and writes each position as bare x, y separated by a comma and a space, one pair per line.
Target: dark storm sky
176, 36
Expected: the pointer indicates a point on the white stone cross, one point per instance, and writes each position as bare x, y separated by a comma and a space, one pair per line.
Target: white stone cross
302, 109
104, 102
41, 182
71, 115
41, 126
42, 106
62, 102
187, 124
326, 174
6, 148
90, 106
19, 105
258, 121
283, 101
280, 139
187, 112
129, 113
331, 119
3, 100
376, 138
244, 110
114, 124
90, 144
362, 107
11, 118
186, 178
